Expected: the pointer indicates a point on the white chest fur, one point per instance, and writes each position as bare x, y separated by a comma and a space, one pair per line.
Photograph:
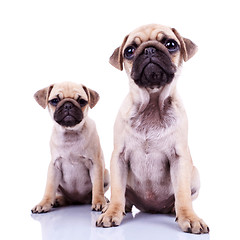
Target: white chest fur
73, 159
149, 140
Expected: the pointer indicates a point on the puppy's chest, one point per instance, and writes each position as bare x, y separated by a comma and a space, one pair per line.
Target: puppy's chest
154, 118
73, 162
73, 152
150, 139
150, 164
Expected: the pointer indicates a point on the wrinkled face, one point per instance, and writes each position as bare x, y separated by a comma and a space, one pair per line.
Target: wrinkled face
68, 104
152, 55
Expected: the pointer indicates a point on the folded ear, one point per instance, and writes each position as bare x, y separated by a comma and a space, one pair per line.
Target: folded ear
92, 95
42, 96
117, 59
188, 48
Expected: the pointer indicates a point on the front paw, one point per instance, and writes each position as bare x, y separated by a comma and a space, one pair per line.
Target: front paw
111, 218
98, 204
43, 207
190, 223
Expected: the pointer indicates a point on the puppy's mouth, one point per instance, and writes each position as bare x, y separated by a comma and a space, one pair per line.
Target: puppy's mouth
68, 114
153, 68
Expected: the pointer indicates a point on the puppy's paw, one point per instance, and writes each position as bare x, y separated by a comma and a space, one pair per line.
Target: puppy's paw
98, 204
111, 218
60, 201
106, 207
43, 207
192, 224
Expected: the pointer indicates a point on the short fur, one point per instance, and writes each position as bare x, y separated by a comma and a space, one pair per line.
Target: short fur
151, 165
76, 173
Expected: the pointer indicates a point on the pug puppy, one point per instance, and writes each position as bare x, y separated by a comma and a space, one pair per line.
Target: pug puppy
151, 165
76, 173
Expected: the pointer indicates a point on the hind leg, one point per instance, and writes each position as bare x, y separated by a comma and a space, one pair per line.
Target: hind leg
60, 201
128, 206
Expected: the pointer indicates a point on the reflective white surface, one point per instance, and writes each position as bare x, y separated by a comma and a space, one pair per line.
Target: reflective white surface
78, 222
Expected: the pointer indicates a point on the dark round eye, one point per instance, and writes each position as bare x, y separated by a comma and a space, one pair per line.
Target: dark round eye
82, 102
171, 45
129, 52
54, 101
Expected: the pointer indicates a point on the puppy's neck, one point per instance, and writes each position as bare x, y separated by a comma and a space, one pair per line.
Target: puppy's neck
70, 130
142, 96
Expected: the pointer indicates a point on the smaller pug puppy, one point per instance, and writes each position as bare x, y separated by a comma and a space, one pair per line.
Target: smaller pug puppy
76, 173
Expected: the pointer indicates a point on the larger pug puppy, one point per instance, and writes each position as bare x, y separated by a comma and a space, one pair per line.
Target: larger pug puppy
151, 165
76, 173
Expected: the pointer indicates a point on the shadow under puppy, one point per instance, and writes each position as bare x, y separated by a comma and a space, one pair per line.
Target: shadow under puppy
151, 165
76, 173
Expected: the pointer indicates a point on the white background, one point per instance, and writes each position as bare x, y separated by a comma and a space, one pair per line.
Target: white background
42, 42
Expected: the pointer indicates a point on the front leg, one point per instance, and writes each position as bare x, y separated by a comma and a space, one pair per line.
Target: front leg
115, 212
97, 178
182, 172
53, 180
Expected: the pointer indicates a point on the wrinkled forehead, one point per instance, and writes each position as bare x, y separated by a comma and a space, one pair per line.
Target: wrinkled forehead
150, 32
68, 90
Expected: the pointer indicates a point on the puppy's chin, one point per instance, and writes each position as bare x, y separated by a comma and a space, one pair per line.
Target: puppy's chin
69, 122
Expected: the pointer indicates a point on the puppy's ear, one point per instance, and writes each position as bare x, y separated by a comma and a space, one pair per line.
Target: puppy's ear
117, 59
188, 48
92, 95
42, 96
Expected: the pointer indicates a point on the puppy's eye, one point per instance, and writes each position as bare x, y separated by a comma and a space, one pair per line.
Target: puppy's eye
129, 52
171, 45
54, 101
82, 102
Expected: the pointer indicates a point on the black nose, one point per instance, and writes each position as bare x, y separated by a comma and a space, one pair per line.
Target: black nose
68, 106
149, 51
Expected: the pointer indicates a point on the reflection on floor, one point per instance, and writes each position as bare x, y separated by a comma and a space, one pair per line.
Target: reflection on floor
78, 222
